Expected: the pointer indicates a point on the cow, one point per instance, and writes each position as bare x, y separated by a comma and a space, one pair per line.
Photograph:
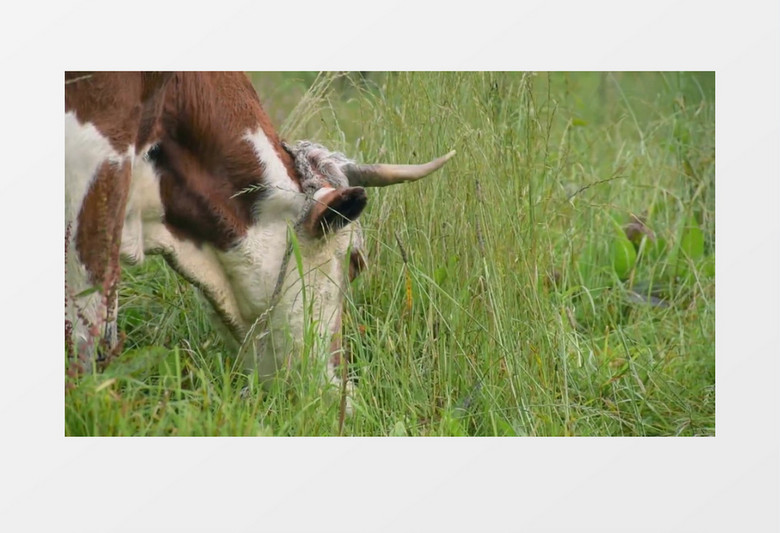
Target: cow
188, 165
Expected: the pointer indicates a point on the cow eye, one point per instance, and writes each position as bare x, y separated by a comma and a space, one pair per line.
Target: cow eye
153, 153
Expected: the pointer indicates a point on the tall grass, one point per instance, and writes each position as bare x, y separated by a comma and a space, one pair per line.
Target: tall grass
492, 304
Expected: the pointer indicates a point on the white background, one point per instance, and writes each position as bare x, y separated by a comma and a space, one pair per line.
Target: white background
725, 483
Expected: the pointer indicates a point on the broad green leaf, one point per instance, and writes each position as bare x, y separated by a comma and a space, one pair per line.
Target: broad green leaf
623, 256
622, 251
690, 248
692, 242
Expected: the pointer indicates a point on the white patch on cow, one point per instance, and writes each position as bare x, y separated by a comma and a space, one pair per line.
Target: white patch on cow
283, 199
143, 204
316, 294
315, 297
275, 174
86, 149
254, 263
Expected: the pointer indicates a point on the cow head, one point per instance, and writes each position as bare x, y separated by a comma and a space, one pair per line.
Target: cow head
322, 252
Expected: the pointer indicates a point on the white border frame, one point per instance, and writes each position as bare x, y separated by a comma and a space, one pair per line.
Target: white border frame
725, 483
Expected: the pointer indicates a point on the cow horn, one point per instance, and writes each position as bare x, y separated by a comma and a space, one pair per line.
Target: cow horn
382, 175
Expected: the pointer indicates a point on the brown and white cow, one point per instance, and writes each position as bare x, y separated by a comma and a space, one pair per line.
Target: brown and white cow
187, 165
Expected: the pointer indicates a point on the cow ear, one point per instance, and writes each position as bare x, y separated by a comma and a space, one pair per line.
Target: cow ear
335, 209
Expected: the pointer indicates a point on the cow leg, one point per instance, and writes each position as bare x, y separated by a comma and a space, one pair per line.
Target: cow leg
92, 265
82, 303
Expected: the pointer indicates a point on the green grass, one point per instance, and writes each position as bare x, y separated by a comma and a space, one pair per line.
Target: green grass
512, 314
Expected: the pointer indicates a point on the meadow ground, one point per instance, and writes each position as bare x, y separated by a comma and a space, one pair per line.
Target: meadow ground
555, 278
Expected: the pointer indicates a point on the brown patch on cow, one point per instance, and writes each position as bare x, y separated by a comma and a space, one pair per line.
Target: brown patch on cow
152, 96
197, 206
203, 160
99, 230
123, 106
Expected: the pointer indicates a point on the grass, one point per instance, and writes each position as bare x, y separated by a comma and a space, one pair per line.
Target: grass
501, 297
